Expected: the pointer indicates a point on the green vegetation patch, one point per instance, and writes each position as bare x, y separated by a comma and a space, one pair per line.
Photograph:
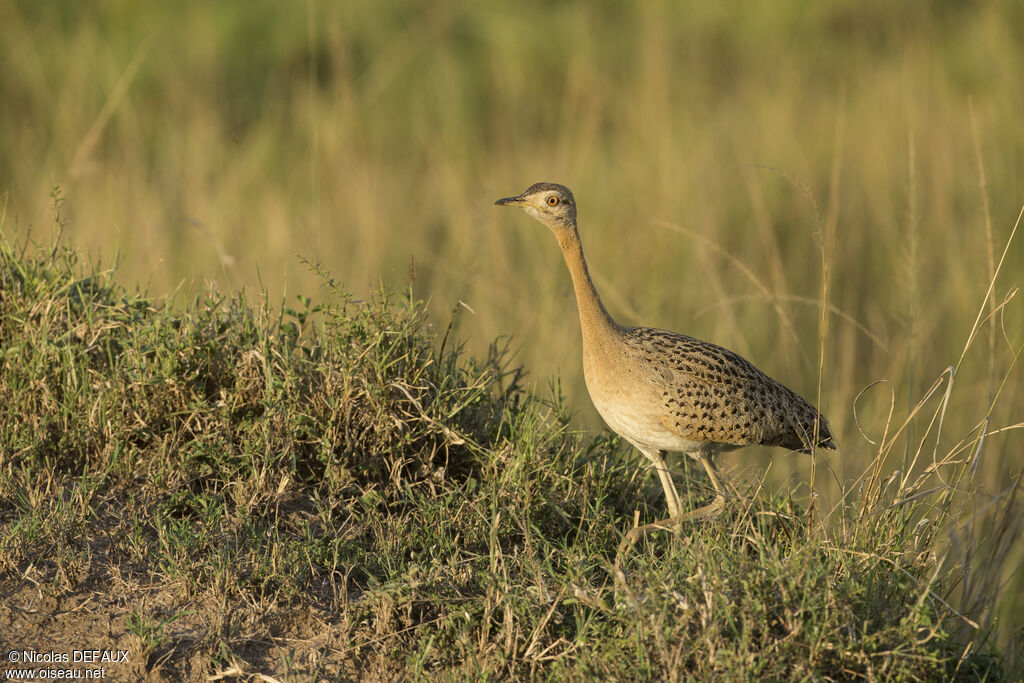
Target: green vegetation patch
336, 490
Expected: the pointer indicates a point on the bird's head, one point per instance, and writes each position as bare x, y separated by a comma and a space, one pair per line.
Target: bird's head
551, 204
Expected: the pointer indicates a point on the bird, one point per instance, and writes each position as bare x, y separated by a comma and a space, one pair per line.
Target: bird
665, 392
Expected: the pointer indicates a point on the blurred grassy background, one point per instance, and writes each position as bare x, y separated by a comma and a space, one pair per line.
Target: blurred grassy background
219, 141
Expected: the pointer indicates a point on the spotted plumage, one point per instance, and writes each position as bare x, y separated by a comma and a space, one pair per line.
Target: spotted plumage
712, 394
666, 392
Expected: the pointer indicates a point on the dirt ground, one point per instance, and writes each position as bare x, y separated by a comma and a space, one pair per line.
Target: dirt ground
296, 643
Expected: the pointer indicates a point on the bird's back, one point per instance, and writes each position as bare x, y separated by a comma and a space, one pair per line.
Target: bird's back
703, 394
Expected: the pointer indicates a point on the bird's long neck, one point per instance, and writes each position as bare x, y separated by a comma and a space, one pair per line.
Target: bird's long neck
594, 319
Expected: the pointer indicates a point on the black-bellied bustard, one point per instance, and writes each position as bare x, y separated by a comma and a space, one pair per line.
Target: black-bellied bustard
666, 392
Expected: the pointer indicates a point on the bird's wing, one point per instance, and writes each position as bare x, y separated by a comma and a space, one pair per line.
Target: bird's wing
713, 394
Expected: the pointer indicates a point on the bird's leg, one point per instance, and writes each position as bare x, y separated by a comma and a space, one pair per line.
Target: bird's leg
671, 495
716, 505
709, 510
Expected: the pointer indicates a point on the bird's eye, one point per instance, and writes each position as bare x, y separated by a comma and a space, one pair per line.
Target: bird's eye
552, 201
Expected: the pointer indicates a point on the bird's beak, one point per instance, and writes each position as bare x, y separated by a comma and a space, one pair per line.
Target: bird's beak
511, 201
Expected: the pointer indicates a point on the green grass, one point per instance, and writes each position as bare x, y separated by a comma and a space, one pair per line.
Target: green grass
369, 136
830, 190
339, 490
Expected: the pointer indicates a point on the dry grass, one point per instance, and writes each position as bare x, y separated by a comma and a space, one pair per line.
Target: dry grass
826, 190
333, 492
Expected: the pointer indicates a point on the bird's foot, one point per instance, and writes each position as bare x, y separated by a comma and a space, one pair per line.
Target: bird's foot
712, 509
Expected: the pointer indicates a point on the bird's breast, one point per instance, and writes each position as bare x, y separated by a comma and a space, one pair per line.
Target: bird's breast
627, 402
